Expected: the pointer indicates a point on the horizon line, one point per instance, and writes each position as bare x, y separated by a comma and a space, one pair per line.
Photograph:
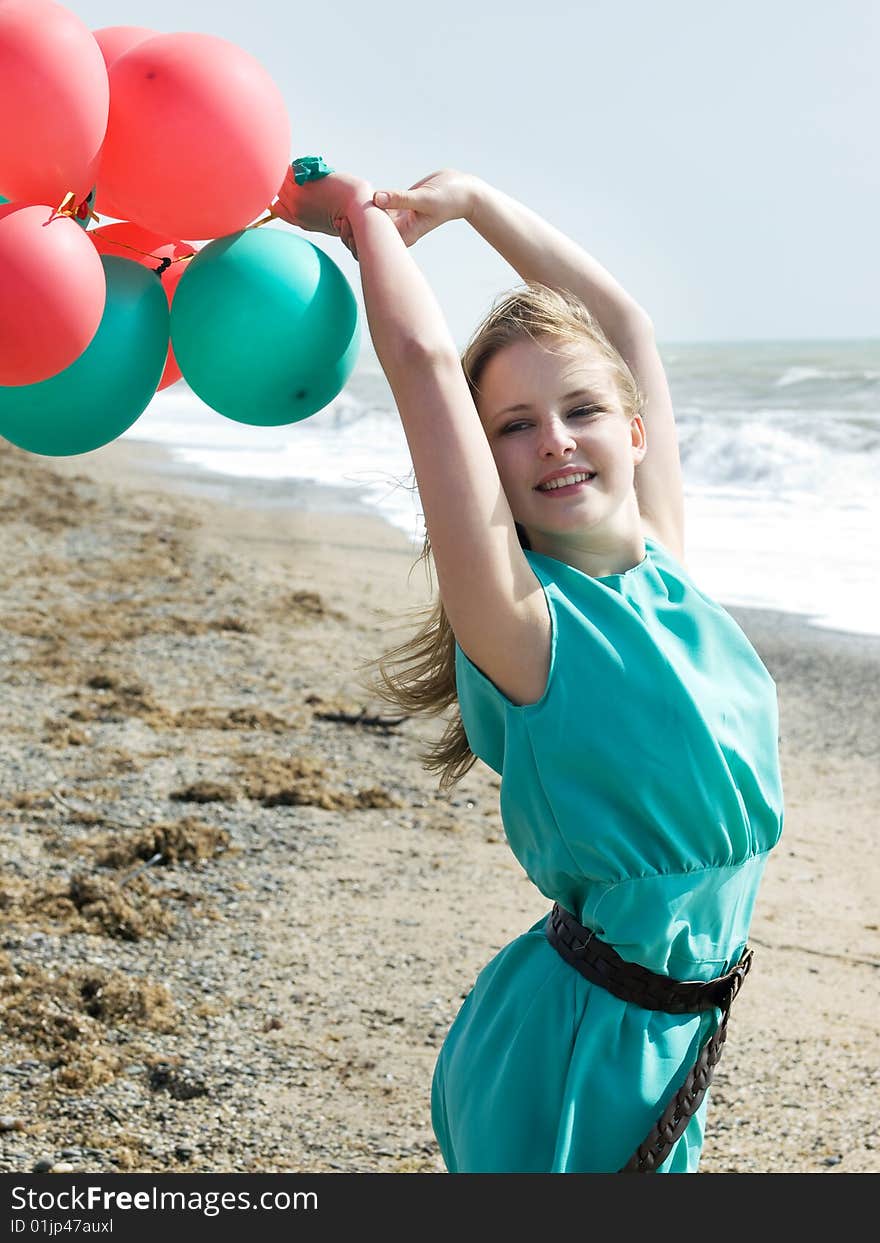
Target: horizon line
367, 344
771, 341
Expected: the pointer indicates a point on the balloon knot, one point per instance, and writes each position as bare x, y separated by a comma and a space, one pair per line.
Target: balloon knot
67, 206
163, 267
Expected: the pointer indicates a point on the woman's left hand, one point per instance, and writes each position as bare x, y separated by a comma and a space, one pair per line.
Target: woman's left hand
322, 206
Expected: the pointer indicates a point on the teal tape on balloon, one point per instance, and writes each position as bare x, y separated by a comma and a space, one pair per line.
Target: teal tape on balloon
310, 168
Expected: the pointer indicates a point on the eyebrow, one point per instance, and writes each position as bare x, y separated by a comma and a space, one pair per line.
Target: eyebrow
523, 406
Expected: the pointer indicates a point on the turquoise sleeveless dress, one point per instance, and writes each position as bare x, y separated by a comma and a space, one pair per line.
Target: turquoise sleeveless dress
642, 792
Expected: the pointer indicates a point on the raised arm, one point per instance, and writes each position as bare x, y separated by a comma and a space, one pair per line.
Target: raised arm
494, 602
539, 252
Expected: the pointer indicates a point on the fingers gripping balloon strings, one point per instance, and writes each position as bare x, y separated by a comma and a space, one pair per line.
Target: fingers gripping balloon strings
305, 168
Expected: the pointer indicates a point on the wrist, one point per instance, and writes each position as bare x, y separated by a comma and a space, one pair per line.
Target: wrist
359, 195
476, 192
361, 211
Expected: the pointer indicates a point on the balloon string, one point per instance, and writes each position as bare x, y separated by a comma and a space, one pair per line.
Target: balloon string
164, 264
148, 254
265, 220
67, 206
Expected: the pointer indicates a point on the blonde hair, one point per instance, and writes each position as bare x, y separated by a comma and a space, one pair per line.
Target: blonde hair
419, 674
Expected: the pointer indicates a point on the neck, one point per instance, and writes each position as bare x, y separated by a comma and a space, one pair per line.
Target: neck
593, 552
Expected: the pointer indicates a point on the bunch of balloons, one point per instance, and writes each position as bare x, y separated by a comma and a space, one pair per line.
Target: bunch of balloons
173, 136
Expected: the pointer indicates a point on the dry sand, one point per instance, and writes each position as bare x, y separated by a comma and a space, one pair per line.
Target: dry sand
238, 916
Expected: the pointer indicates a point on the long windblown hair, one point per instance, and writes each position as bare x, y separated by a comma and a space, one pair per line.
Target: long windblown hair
418, 675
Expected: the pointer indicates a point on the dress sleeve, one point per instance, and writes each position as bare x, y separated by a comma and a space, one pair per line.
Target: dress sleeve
482, 711
485, 710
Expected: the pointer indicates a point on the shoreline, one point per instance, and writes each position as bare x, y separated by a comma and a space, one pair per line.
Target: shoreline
243, 490
197, 795
145, 464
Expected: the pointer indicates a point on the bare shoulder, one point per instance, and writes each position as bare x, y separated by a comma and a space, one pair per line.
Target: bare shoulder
669, 538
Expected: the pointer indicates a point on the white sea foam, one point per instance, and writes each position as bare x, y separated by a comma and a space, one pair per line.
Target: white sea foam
799, 375
782, 505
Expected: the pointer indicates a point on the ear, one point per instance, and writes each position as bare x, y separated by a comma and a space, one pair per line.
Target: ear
639, 437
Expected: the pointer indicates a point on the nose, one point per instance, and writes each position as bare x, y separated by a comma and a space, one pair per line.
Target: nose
556, 439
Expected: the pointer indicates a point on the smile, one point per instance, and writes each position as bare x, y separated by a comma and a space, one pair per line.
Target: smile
567, 485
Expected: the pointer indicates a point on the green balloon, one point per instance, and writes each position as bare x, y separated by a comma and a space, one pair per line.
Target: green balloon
99, 396
265, 327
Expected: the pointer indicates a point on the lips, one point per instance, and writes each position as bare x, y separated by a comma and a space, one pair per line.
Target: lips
565, 479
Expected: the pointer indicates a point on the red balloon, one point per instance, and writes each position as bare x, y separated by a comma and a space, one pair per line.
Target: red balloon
54, 101
149, 249
52, 293
198, 140
114, 40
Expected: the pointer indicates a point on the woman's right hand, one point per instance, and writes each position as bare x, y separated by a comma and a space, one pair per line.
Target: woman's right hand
321, 205
439, 197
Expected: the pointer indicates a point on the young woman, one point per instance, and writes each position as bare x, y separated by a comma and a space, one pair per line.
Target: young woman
632, 722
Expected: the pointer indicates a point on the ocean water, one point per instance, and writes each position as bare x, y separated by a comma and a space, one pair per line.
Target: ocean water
780, 450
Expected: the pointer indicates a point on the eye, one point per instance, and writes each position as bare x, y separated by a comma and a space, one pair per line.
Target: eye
580, 412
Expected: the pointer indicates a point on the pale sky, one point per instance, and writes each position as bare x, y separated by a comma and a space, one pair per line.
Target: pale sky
721, 159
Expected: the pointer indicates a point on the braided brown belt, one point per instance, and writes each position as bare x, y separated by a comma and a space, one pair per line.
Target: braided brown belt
629, 981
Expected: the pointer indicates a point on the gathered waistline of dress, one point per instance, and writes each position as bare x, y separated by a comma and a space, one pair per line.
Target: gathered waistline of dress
601, 964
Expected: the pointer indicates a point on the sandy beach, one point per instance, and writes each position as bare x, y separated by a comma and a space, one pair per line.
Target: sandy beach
239, 917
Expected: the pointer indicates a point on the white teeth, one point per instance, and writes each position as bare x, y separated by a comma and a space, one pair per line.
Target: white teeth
566, 481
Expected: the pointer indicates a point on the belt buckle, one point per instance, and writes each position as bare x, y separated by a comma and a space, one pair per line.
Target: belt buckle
741, 970
733, 981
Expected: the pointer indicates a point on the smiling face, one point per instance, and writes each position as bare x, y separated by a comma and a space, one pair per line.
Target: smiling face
554, 407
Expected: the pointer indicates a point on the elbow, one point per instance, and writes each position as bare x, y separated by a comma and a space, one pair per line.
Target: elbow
431, 351
639, 323
407, 355
422, 357
416, 360
636, 330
